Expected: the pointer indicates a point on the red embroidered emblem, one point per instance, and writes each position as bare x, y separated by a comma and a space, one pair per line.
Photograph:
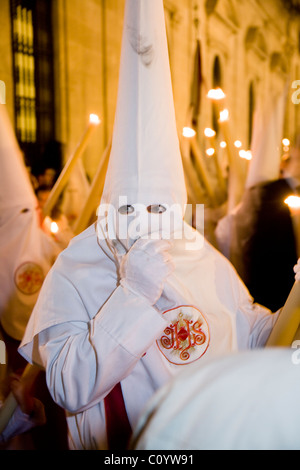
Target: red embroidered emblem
186, 338
29, 278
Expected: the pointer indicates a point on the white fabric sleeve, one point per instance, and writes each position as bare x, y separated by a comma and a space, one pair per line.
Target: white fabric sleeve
18, 424
254, 321
84, 360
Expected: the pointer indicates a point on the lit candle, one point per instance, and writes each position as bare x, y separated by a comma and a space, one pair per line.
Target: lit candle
216, 94
224, 125
188, 132
202, 170
238, 144
236, 175
209, 132
224, 115
194, 188
293, 202
285, 142
209, 152
61, 182
54, 227
94, 194
246, 154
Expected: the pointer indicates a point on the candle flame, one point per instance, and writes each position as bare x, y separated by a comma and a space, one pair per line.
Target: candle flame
246, 154
238, 144
94, 119
54, 227
188, 132
224, 115
209, 132
216, 94
293, 202
210, 152
285, 142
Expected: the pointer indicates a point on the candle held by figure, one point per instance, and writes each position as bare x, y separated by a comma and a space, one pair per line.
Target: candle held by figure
63, 178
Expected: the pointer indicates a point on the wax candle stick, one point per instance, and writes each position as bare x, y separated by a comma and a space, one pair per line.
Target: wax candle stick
95, 193
68, 168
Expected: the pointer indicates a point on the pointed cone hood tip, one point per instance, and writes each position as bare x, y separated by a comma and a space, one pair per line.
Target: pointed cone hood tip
145, 164
15, 186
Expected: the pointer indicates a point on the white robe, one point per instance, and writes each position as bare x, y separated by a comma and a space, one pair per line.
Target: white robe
243, 401
90, 333
27, 254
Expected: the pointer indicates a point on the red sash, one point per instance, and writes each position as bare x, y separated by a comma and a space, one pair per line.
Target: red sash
118, 428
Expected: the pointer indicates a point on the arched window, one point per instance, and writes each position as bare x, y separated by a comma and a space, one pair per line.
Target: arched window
217, 75
251, 111
32, 43
217, 83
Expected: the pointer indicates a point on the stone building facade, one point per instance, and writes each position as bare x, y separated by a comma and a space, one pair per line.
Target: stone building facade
248, 47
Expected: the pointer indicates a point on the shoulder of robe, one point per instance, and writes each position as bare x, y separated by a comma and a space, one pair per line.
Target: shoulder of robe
83, 249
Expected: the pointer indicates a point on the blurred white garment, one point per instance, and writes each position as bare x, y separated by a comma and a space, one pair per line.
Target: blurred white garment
59, 230
75, 194
243, 401
26, 252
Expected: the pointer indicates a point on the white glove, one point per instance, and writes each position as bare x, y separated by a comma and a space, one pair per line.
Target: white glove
297, 270
145, 268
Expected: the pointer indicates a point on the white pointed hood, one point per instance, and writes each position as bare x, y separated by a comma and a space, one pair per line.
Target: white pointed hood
145, 166
266, 142
12, 169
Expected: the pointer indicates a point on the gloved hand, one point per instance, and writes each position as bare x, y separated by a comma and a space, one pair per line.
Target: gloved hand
297, 270
145, 268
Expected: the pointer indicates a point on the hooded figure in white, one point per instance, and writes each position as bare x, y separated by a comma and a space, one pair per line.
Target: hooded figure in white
123, 304
243, 401
26, 252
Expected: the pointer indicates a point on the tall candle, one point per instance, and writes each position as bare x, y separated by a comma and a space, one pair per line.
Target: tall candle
95, 193
68, 168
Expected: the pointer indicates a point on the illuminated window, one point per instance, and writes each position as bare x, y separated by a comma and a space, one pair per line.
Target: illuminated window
24, 64
33, 75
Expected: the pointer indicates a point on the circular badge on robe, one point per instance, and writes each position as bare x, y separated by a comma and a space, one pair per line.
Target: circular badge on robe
29, 278
186, 338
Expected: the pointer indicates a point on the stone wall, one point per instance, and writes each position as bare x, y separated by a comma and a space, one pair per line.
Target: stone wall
6, 67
